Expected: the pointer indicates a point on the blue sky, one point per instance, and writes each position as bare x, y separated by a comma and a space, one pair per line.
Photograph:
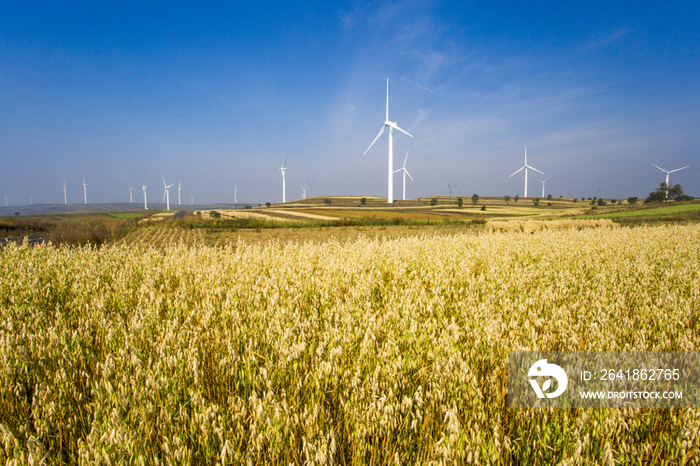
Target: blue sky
215, 95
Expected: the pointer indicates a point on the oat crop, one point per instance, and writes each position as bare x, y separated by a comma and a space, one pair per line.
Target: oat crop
362, 352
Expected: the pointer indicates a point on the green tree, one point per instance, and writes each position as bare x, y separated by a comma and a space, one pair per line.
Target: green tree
507, 198
475, 198
536, 201
549, 196
460, 201
433, 201
327, 200
268, 204
632, 200
663, 192
601, 201
516, 198
483, 207
363, 201
214, 214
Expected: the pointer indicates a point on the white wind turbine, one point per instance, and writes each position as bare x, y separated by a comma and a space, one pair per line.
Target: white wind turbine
235, 194
65, 198
179, 188
283, 169
166, 194
525, 167
668, 173
392, 126
131, 195
84, 190
303, 196
145, 203
405, 172
542, 181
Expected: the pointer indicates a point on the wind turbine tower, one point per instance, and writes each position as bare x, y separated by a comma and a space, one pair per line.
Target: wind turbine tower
145, 203
235, 194
543, 181
283, 169
392, 126
668, 173
525, 167
131, 195
84, 190
166, 194
179, 188
65, 198
303, 196
405, 172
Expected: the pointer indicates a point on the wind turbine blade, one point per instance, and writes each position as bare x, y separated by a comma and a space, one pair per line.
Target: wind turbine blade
163, 197
409, 175
660, 168
534, 169
375, 139
285, 160
405, 160
396, 127
163, 180
521, 169
387, 99
677, 169
396, 171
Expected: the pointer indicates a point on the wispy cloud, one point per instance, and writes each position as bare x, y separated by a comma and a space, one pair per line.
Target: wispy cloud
606, 39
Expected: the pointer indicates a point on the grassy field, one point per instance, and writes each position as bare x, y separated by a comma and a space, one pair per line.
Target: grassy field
373, 350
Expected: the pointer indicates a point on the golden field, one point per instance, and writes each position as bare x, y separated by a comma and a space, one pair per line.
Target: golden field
365, 351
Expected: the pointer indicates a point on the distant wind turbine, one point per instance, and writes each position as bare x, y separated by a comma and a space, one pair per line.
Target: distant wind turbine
131, 195
392, 126
405, 172
84, 190
283, 169
145, 203
303, 196
235, 194
451, 187
668, 173
166, 194
542, 181
65, 197
179, 188
525, 167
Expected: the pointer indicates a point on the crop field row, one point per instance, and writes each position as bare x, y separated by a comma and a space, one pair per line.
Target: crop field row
161, 236
372, 351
